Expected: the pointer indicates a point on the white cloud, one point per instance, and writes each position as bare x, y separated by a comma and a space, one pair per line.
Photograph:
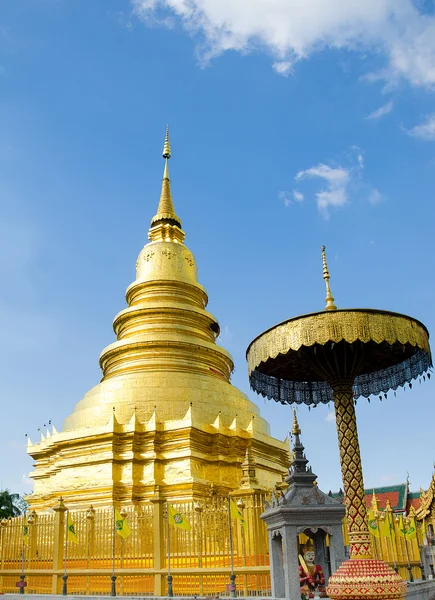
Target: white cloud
375, 196
426, 130
298, 196
330, 417
285, 198
293, 30
283, 67
381, 111
289, 197
337, 180
122, 18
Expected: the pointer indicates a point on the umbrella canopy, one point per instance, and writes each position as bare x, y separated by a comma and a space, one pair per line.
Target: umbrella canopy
296, 361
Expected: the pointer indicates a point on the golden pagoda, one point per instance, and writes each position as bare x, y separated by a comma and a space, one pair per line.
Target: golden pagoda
164, 416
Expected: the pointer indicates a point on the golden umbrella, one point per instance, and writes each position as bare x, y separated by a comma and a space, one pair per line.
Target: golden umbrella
339, 355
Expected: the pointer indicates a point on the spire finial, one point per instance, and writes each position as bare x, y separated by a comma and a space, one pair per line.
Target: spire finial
165, 225
296, 429
167, 145
329, 297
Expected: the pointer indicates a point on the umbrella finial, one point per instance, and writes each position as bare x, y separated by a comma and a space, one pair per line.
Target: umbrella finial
329, 297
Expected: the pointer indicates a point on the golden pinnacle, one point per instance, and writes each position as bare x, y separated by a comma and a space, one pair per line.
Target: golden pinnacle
296, 429
167, 145
329, 297
165, 225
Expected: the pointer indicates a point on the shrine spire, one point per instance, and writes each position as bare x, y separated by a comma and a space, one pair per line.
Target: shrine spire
296, 429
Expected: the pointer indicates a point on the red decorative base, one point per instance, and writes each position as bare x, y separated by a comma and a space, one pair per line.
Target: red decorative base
365, 579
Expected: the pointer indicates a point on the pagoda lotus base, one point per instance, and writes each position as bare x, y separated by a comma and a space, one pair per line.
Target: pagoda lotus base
366, 578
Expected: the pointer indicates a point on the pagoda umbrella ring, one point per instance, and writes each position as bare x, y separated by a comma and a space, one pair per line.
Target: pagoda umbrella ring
339, 355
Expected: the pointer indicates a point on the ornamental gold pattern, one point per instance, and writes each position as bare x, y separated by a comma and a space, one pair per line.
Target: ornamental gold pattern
351, 471
366, 579
379, 350
350, 325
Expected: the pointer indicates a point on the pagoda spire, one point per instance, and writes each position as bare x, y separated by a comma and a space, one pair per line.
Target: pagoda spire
296, 429
166, 225
299, 472
330, 305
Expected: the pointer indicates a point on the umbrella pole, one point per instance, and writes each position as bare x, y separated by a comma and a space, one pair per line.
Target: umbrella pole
351, 470
362, 577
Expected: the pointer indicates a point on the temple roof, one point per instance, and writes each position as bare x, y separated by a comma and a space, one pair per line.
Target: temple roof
413, 500
397, 495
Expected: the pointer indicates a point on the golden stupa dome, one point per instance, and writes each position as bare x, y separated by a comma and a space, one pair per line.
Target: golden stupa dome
165, 418
165, 360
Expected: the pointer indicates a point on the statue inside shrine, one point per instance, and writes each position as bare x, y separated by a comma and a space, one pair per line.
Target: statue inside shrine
311, 576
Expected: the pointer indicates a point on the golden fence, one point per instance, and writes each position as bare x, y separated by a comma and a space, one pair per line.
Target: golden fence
200, 559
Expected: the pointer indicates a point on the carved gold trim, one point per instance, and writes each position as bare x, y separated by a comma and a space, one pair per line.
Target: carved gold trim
334, 326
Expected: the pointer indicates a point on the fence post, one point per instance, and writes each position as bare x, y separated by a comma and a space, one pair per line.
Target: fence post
32, 520
158, 546
58, 549
3, 524
90, 534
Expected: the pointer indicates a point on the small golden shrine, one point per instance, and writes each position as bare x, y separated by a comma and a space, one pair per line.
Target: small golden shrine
165, 414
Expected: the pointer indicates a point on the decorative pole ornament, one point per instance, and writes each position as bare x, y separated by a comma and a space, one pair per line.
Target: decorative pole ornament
329, 297
339, 355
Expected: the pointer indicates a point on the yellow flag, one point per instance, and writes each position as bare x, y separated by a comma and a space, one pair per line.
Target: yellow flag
384, 526
372, 522
177, 519
72, 536
391, 523
121, 526
401, 528
236, 514
411, 530
423, 531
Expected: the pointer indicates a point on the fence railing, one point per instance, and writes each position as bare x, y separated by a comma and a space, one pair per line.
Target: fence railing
200, 559
34, 548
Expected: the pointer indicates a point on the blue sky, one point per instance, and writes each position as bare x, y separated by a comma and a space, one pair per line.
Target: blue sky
292, 125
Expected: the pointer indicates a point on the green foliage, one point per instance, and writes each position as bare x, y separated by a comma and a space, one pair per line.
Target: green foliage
11, 505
